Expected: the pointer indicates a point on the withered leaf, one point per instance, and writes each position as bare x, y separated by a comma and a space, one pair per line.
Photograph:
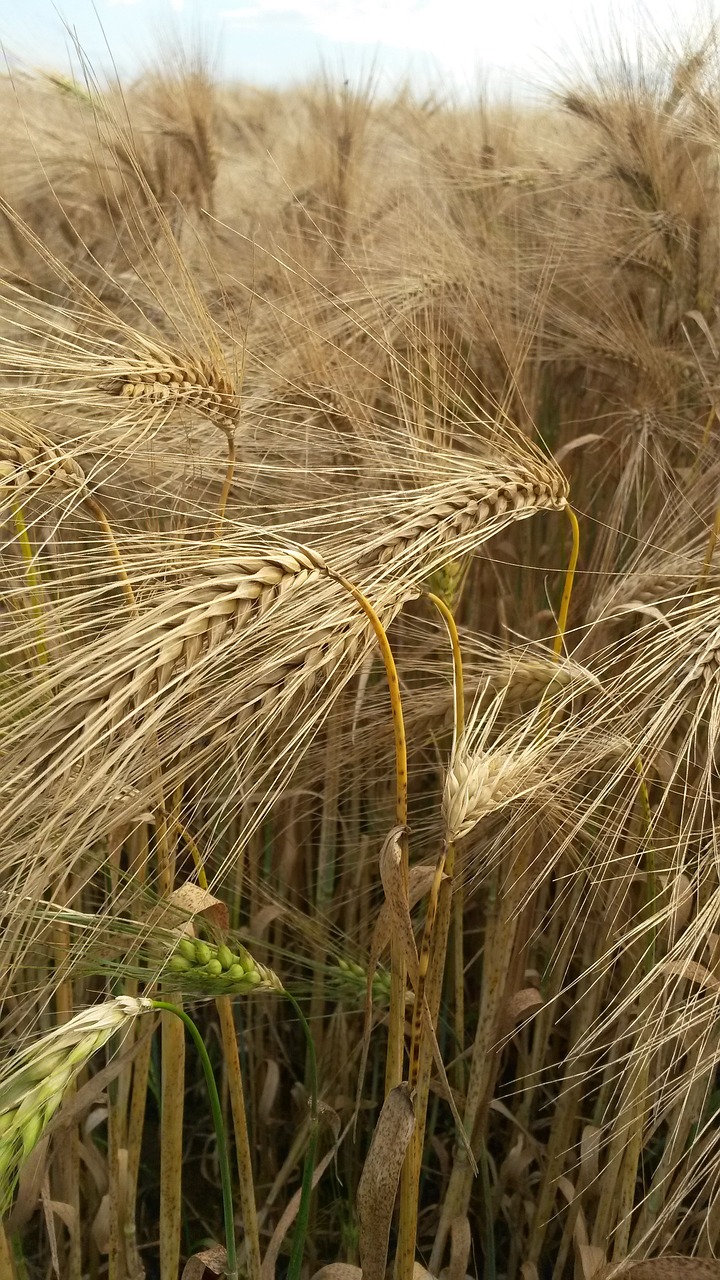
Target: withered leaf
379, 1180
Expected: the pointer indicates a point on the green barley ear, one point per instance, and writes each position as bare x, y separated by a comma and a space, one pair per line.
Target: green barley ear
351, 979
446, 581
32, 1083
202, 969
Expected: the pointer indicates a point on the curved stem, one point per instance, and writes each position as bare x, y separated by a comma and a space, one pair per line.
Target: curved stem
396, 1017
458, 687
569, 579
223, 1157
401, 774
97, 511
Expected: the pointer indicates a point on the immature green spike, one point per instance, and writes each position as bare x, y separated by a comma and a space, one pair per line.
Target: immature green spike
446, 581
202, 969
33, 1082
352, 980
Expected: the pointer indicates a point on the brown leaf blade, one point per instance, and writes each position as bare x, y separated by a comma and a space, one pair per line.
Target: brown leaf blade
379, 1180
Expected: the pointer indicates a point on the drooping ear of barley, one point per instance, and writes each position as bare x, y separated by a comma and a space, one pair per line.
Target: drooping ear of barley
29, 463
183, 383
446, 520
32, 1083
481, 781
167, 643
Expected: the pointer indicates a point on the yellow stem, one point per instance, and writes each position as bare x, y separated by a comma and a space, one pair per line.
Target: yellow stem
227, 485
242, 1141
33, 581
97, 511
458, 687
396, 1019
569, 579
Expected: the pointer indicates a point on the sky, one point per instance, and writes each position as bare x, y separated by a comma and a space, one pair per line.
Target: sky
511, 45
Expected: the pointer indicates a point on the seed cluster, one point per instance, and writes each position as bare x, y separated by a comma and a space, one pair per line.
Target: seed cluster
469, 508
36, 464
201, 968
197, 386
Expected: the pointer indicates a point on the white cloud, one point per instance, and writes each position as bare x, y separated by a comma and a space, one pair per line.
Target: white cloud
177, 5
452, 31
458, 34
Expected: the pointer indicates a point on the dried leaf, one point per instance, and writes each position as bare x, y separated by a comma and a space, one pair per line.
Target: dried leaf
49, 1223
519, 1158
213, 1260
397, 899
95, 1164
267, 1271
100, 1228
668, 1268
379, 1180
420, 878
520, 1005
65, 1212
567, 1188
703, 326
460, 1244
30, 1184
577, 443
589, 1155
691, 970
263, 918
194, 901
589, 1260
445, 1090
338, 1271
269, 1090
420, 882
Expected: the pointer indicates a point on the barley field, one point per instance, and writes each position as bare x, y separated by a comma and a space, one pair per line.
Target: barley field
360, 678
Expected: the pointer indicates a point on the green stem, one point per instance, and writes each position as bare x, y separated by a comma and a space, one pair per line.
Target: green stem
303, 1218
231, 1271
